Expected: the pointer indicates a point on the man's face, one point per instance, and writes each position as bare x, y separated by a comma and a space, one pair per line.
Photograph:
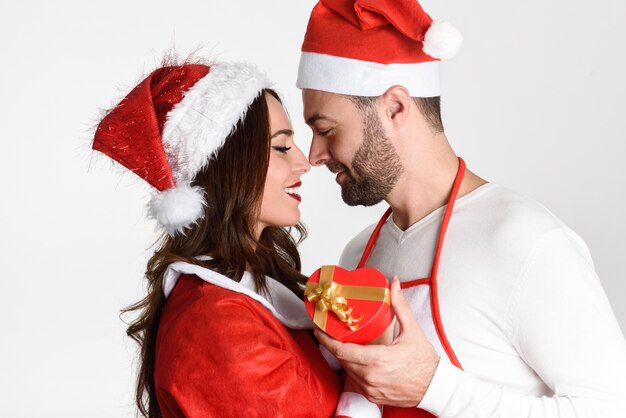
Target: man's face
352, 143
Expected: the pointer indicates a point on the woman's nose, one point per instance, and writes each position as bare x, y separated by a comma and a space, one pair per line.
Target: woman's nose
302, 164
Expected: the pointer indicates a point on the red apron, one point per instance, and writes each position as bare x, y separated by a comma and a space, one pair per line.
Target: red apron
389, 411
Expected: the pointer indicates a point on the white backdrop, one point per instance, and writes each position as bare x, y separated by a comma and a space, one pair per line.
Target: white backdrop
534, 101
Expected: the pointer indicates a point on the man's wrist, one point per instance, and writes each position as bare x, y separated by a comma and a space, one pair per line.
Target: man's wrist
427, 375
443, 383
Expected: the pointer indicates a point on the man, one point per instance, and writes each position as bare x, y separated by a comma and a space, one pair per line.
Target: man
501, 312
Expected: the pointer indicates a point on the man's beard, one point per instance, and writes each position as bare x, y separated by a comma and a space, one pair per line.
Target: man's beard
376, 166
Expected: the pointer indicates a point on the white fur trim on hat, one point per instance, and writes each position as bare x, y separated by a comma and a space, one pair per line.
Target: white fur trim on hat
364, 78
197, 127
177, 208
442, 40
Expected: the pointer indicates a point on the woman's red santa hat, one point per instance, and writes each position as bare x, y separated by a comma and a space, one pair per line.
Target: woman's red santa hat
363, 47
170, 125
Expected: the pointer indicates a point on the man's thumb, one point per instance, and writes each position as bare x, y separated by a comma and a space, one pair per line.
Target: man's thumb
401, 307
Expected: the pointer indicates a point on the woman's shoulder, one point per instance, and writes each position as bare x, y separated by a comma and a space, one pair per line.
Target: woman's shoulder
211, 338
193, 297
276, 301
217, 322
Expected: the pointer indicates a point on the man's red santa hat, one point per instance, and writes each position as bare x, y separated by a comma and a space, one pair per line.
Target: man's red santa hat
363, 47
170, 125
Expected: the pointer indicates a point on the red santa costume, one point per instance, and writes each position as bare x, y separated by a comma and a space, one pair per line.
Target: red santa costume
222, 349
505, 292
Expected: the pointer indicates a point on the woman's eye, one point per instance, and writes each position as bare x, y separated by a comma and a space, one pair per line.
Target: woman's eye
324, 133
281, 149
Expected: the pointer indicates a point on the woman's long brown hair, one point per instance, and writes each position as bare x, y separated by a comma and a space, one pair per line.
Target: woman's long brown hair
233, 184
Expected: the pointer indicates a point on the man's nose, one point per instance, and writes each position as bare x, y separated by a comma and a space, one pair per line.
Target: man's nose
319, 153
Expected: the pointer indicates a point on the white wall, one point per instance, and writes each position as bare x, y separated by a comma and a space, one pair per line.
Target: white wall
534, 101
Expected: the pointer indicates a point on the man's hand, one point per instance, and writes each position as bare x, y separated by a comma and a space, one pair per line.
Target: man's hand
397, 374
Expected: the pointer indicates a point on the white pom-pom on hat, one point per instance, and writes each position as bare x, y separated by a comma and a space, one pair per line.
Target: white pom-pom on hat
442, 40
177, 208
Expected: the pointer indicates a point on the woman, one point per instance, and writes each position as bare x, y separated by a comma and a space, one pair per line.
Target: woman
222, 327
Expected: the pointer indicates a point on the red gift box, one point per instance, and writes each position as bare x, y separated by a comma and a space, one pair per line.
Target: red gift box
350, 306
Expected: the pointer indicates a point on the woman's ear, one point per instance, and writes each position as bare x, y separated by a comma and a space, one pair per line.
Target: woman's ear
396, 102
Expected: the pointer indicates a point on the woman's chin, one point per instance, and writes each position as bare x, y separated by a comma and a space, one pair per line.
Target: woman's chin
283, 220
291, 220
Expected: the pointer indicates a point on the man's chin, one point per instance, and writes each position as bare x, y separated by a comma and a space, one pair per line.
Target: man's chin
353, 198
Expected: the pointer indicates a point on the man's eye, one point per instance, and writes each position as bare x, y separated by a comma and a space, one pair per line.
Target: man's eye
324, 133
281, 149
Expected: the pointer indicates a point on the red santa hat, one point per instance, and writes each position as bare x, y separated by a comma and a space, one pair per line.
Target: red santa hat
363, 47
170, 125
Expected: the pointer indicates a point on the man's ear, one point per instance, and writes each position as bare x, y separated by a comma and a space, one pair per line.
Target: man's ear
396, 104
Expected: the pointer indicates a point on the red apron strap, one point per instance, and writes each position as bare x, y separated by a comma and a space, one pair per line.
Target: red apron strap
434, 291
446, 217
372, 241
416, 282
393, 412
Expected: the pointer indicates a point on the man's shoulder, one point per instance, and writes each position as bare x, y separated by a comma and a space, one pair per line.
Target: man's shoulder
510, 212
511, 223
354, 249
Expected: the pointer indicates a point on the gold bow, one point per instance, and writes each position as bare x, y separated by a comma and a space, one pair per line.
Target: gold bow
331, 296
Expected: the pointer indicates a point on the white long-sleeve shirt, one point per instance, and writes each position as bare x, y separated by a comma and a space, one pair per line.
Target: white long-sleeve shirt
521, 305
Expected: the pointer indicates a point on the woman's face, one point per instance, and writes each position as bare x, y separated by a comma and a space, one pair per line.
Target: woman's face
287, 163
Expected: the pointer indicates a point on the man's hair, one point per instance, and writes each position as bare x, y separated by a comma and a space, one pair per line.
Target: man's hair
430, 107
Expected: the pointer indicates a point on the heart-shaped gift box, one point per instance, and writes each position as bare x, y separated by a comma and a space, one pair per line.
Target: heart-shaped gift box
349, 305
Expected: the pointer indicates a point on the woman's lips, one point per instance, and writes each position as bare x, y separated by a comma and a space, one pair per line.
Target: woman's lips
293, 191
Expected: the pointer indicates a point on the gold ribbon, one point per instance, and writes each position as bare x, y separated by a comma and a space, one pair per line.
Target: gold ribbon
331, 296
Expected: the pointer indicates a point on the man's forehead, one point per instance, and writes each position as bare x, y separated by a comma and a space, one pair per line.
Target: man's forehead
310, 120
322, 105
319, 95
